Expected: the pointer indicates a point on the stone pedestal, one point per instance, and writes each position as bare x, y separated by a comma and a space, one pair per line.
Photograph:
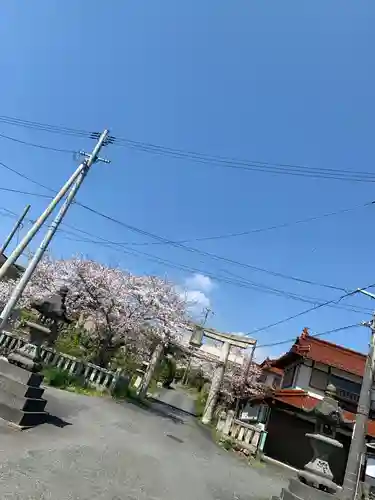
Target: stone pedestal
21, 402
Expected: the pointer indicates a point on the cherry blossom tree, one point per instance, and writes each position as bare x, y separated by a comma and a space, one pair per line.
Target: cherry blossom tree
116, 308
242, 382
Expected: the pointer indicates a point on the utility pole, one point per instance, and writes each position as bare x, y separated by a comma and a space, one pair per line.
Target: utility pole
17, 291
207, 311
47, 212
249, 361
14, 229
357, 445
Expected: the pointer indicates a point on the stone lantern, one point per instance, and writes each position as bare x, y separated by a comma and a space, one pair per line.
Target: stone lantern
316, 480
21, 401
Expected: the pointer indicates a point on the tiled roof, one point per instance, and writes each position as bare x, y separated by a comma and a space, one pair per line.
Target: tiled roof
301, 399
268, 364
328, 353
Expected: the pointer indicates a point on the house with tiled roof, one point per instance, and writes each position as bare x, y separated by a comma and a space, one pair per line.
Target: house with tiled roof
308, 367
271, 375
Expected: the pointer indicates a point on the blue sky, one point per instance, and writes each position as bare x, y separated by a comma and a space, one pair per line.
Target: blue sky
287, 82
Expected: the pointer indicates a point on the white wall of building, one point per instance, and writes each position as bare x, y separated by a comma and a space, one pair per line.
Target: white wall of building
303, 375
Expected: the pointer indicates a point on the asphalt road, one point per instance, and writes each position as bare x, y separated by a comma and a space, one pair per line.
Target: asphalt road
101, 449
176, 398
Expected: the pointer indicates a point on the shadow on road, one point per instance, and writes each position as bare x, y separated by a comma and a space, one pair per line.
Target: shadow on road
56, 421
157, 408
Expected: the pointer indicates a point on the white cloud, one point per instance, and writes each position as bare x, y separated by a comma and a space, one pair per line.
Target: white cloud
197, 299
199, 282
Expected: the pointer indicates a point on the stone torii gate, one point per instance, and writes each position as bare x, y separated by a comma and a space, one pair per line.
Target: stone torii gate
228, 340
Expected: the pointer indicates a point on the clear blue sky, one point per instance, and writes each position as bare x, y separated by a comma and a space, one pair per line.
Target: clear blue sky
289, 82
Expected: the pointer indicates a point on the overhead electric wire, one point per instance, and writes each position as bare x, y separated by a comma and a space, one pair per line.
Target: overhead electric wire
215, 160
261, 229
328, 332
204, 253
241, 282
44, 127
40, 146
176, 244
289, 318
254, 166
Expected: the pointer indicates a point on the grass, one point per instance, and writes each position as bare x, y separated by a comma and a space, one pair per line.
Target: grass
62, 379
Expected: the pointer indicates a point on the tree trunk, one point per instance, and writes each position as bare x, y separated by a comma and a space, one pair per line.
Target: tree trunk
217, 380
154, 362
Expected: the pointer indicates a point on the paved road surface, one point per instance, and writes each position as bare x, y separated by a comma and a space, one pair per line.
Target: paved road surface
111, 451
177, 398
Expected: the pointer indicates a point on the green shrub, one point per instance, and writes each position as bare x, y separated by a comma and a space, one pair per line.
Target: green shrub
62, 379
179, 375
168, 371
227, 443
121, 389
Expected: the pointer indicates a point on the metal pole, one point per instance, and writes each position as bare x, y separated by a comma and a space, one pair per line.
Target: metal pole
357, 446
13, 231
19, 288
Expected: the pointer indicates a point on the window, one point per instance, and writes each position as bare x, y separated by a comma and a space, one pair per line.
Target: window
288, 377
262, 378
346, 389
276, 382
318, 379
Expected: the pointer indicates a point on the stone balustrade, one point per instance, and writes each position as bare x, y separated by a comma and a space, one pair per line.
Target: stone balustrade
251, 437
96, 376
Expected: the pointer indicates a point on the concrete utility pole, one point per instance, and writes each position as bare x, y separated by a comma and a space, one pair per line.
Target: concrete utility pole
14, 229
357, 445
17, 292
207, 311
40, 221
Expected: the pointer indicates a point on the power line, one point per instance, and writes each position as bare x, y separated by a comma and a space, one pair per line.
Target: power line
243, 283
20, 191
262, 229
44, 127
255, 166
179, 245
202, 252
328, 332
289, 318
215, 160
40, 146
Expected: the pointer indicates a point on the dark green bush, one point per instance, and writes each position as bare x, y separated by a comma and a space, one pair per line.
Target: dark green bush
62, 379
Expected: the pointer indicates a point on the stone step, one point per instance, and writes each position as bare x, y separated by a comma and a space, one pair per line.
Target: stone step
22, 403
21, 418
19, 389
19, 374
